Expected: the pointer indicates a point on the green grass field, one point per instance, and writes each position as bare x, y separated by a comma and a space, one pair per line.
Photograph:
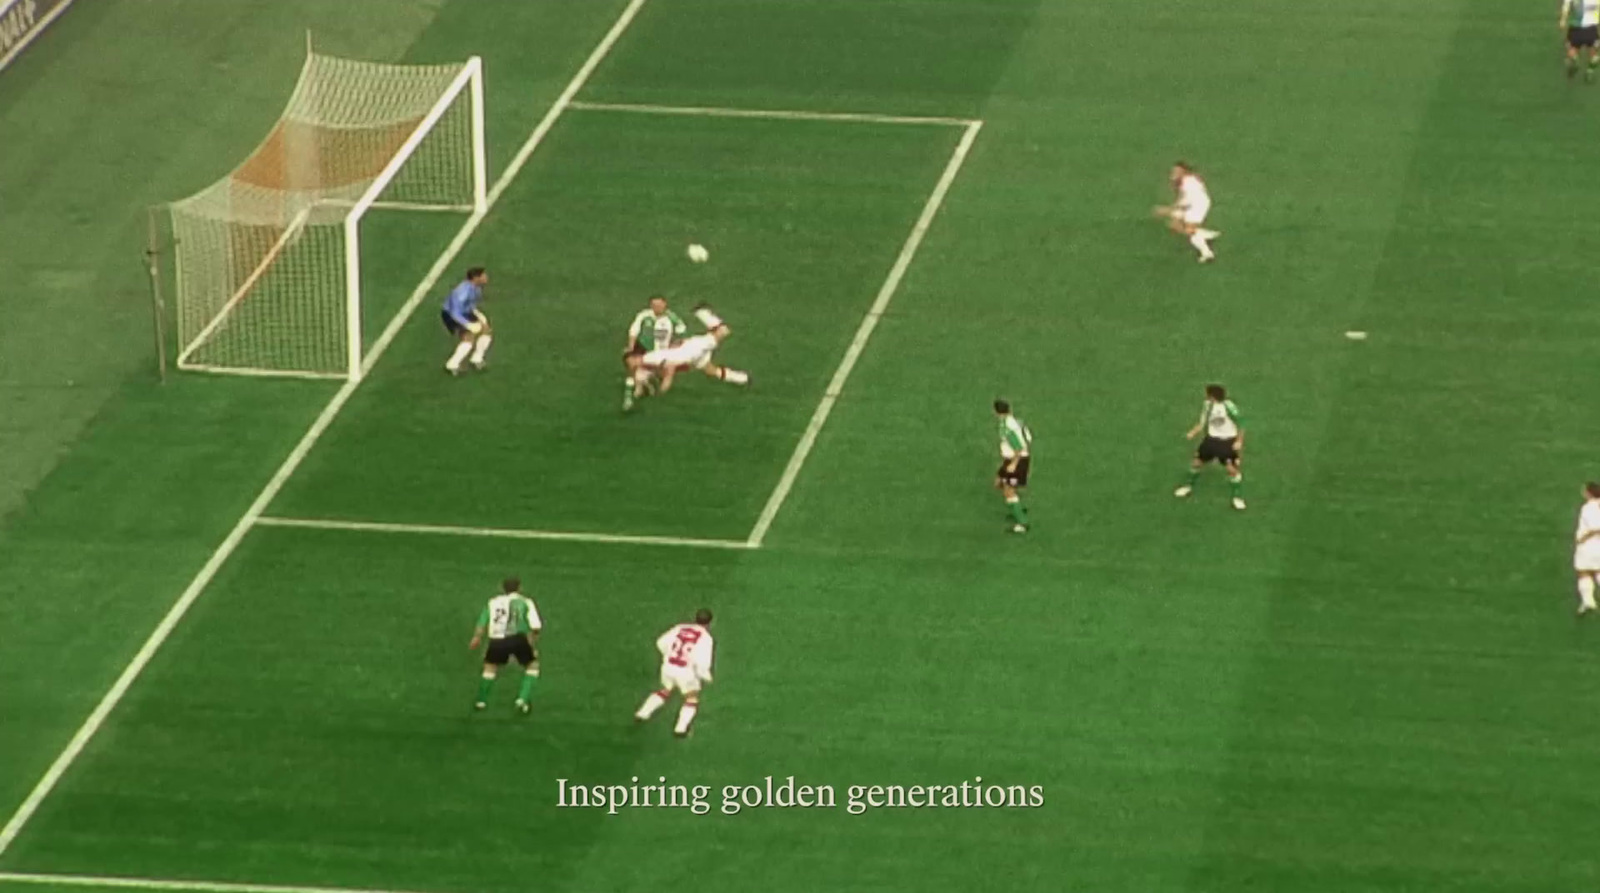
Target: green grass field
1369, 681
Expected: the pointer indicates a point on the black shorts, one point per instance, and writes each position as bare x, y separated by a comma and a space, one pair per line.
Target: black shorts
1216, 449
1018, 478
450, 324
1583, 37
502, 650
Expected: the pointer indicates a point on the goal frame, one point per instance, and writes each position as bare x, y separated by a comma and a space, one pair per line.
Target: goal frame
468, 81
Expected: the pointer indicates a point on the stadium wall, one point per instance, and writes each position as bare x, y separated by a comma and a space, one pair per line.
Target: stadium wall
23, 20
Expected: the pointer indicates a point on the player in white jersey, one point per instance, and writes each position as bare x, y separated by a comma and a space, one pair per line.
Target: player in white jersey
1223, 443
686, 655
691, 353
1586, 547
1186, 216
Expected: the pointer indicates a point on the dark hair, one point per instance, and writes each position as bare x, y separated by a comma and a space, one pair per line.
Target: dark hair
703, 616
1180, 163
1216, 392
512, 584
1593, 489
661, 298
475, 272
1002, 407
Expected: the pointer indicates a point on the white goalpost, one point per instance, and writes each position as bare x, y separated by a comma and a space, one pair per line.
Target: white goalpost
267, 260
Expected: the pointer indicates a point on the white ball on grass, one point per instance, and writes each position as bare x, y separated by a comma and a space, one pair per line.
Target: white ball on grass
698, 253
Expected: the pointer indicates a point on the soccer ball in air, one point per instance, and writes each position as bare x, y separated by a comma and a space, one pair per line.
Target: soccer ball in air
698, 253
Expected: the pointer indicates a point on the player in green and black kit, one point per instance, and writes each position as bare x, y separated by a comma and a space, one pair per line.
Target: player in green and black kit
1223, 443
1015, 463
654, 328
1581, 20
512, 624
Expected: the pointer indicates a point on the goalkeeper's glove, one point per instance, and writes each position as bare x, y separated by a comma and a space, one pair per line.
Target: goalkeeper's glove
475, 328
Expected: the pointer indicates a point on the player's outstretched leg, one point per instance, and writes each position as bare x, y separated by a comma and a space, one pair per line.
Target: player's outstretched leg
691, 706
1187, 486
651, 704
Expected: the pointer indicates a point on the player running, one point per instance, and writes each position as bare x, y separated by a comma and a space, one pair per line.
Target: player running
1223, 443
1012, 476
1581, 20
686, 653
466, 322
512, 624
692, 353
1586, 548
1187, 215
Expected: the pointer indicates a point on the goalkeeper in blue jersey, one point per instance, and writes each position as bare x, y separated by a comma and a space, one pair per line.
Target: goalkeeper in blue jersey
466, 322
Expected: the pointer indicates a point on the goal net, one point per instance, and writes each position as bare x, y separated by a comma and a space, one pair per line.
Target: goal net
268, 259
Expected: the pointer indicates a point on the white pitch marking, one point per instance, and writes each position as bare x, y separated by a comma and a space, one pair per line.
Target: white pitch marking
1356, 336
109, 701
842, 374
512, 533
142, 883
770, 114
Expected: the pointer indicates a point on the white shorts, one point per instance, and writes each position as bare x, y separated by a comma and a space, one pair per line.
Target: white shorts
1194, 215
692, 353
679, 678
1586, 558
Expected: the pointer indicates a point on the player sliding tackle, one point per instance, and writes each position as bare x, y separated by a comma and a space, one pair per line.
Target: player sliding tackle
693, 353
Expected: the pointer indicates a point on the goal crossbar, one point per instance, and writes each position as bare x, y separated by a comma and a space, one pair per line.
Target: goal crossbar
268, 259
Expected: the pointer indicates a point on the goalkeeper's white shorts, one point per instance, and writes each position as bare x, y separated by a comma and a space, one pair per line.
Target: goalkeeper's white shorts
1195, 214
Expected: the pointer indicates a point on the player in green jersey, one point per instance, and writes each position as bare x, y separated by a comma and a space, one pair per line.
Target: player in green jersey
1223, 443
511, 622
1581, 20
653, 328
1015, 463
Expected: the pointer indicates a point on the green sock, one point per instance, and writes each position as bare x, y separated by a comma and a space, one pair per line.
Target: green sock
1019, 513
1236, 484
526, 691
484, 685
1194, 476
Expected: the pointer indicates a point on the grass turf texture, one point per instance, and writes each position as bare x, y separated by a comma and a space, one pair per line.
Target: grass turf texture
1367, 682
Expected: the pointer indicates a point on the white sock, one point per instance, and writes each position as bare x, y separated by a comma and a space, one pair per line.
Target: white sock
1586, 591
1207, 234
1198, 240
734, 376
479, 348
685, 716
462, 349
650, 705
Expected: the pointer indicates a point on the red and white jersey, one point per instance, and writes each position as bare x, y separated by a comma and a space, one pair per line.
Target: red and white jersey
1192, 192
686, 647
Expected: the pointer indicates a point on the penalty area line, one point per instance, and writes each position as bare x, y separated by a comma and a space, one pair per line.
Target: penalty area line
202, 579
697, 111
885, 294
510, 533
142, 883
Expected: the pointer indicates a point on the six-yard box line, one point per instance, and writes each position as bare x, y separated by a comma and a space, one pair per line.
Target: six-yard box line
255, 514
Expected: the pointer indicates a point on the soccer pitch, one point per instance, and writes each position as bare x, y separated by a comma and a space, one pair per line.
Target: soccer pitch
238, 609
